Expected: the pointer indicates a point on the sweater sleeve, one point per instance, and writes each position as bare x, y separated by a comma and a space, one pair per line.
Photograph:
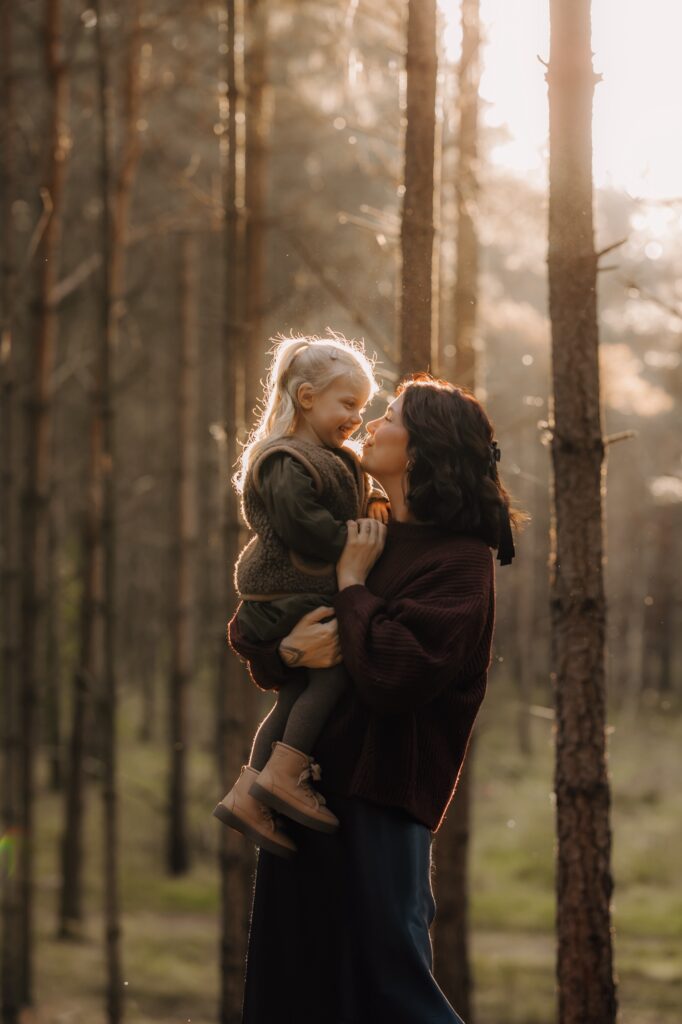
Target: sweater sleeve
266, 668
292, 504
402, 653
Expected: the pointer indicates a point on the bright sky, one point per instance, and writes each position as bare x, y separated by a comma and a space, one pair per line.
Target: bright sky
637, 143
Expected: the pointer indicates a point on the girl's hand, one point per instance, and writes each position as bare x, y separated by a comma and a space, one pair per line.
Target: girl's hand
365, 542
312, 643
379, 510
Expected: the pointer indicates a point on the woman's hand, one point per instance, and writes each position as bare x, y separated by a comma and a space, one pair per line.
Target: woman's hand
312, 643
364, 544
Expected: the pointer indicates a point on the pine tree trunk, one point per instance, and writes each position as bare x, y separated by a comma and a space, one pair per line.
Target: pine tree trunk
466, 188
182, 666
525, 607
84, 681
231, 682
587, 993
115, 223
52, 702
452, 965
416, 234
35, 504
451, 931
255, 188
9, 574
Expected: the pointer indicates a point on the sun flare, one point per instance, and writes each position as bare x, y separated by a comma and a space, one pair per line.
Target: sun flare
636, 145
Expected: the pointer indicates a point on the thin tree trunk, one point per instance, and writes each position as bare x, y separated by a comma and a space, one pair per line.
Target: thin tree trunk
525, 608
416, 233
9, 692
466, 188
114, 228
231, 684
52, 702
88, 674
660, 633
452, 956
257, 128
35, 505
84, 679
182, 666
586, 986
452, 962
255, 185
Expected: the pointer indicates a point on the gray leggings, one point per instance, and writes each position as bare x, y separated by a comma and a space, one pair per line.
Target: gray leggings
299, 714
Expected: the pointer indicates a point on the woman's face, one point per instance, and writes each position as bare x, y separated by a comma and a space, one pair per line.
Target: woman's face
384, 454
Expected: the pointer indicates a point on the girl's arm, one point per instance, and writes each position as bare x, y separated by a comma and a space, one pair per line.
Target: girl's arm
293, 506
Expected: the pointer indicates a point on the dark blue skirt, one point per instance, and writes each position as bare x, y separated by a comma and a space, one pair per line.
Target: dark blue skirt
340, 934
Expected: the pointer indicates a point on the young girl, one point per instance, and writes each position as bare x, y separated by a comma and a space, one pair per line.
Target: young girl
300, 483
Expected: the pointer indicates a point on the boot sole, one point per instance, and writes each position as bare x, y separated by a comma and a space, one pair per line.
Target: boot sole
232, 821
275, 804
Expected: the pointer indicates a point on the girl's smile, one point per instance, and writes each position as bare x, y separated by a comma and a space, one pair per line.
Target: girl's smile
330, 417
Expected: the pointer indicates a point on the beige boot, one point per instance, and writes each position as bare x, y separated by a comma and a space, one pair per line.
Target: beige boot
243, 812
285, 786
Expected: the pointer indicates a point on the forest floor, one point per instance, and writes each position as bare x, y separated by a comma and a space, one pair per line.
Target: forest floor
170, 926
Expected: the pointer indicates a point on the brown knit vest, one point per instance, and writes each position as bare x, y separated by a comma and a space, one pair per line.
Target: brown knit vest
267, 568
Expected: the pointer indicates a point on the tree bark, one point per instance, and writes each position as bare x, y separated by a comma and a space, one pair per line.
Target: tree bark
586, 986
9, 692
112, 245
53, 686
84, 680
94, 676
466, 190
416, 233
451, 932
452, 961
36, 495
255, 189
231, 683
182, 666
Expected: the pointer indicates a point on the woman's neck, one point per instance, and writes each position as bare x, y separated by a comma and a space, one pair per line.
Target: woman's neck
399, 508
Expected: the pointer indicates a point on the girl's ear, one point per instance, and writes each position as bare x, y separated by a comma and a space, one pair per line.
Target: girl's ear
304, 396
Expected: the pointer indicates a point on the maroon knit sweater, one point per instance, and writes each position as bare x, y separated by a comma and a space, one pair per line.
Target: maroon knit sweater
416, 646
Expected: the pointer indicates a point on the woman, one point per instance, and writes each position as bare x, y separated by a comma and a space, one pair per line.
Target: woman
341, 934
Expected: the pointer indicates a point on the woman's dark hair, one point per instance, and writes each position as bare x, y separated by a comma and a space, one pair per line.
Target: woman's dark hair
452, 463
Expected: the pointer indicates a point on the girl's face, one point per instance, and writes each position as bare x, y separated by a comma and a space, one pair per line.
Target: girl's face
384, 454
331, 416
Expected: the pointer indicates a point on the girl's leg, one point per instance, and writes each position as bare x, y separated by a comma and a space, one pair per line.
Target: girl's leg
273, 725
308, 714
285, 784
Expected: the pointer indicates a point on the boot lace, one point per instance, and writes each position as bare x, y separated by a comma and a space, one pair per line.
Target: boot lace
313, 772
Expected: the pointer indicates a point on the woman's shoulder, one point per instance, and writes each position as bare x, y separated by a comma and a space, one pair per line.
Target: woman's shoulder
458, 552
435, 561
428, 541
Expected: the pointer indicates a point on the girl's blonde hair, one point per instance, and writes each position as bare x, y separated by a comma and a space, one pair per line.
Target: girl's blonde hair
300, 360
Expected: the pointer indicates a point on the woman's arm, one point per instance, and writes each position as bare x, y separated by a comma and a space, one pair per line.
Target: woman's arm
312, 643
402, 653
